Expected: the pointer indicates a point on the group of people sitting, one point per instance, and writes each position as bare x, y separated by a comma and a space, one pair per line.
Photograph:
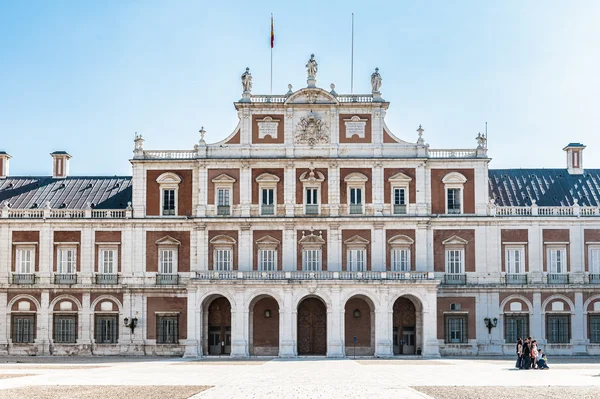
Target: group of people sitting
530, 356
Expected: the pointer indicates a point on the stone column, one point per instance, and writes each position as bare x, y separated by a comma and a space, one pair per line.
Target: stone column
202, 246
377, 189
577, 251
192, 348
85, 324
535, 250
334, 248
578, 327
335, 333
422, 259
86, 247
290, 189
535, 318
43, 328
378, 260
245, 245
423, 191
334, 189
289, 247
46, 257
245, 189
287, 325
239, 325
431, 346
202, 190
4, 315
383, 324
138, 199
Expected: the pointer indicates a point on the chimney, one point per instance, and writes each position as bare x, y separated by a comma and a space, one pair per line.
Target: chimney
574, 158
60, 164
4, 157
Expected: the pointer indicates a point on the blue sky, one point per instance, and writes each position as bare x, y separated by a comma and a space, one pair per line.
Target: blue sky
85, 76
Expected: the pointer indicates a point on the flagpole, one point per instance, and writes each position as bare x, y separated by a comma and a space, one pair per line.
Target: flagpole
271, 53
352, 60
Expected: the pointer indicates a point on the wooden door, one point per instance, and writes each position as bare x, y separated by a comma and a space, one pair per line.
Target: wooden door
312, 327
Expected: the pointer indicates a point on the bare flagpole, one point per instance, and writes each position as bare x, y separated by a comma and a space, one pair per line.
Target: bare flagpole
272, 40
352, 60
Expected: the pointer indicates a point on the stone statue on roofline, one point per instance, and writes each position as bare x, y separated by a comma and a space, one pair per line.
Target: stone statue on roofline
247, 81
375, 81
312, 67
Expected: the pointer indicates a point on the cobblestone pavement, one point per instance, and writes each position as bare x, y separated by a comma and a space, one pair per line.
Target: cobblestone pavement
310, 377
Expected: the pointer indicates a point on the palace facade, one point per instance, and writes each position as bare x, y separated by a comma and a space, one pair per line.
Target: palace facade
311, 230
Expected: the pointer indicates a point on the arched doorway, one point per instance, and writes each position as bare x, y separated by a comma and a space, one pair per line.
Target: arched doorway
218, 321
406, 327
312, 327
359, 323
264, 326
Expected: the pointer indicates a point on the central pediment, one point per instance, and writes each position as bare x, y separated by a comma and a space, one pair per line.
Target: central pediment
311, 95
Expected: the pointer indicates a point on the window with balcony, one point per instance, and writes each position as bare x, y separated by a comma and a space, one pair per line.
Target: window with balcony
455, 261
514, 258
515, 326
311, 182
558, 329
169, 187
356, 183
455, 329
356, 253
399, 183
267, 253
311, 260
312, 245
222, 247
400, 259
223, 199
557, 260
107, 265
65, 329
356, 200
25, 260
168, 253
454, 248
106, 329
167, 329
23, 328
267, 186
454, 183
167, 261
594, 264
66, 265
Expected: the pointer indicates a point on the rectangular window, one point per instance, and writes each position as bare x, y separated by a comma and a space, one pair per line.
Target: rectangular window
167, 329
356, 196
106, 329
401, 260
311, 260
557, 260
168, 205
23, 329
223, 259
65, 329
107, 261
456, 329
515, 326
66, 260
267, 205
25, 260
594, 327
515, 261
268, 259
167, 261
594, 260
223, 197
558, 329
312, 201
399, 201
453, 200
356, 260
455, 261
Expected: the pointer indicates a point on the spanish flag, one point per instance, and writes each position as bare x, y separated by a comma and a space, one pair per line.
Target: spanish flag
272, 33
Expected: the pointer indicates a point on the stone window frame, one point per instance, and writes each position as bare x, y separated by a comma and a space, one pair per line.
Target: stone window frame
454, 180
219, 243
399, 181
267, 181
312, 179
401, 242
22, 246
169, 181
223, 182
356, 243
464, 317
67, 246
16, 331
160, 335
591, 247
98, 333
557, 246
312, 242
512, 247
356, 180
114, 248
455, 243
168, 243
267, 243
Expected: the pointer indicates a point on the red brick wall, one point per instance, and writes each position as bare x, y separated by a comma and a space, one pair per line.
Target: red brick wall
235, 173
184, 194
355, 139
166, 304
183, 254
357, 327
211, 248
438, 191
388, 248
258, 234
265, 330
107, 236
387, 186
556, 236
323, 249
280, 118
26, 236
467, 304
439, 250
347, 234
300, 186
589, 235
343, 185
280, 185
514, 235
67, 237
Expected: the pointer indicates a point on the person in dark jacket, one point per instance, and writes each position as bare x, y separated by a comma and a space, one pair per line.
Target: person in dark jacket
527, 354
519, 364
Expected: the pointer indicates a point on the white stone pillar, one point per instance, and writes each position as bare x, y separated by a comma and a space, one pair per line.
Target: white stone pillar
245, 248
535, 319
535, 250
202, 246
46, 249
245, 189
423, 190
377, 189
287, 325
335, 132
202, 190
422, 244
288, 130
481, 189
5, 329
383, 324
44, 325
86, 247
578, 326
239, 325
334, 189
334, 248
577, 251
335, 333
378, 260
192, 347
289, 247
431, 346
85, 322
290, 189
138, 196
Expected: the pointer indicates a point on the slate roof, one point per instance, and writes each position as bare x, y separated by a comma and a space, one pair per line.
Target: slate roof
549, 187
103, 192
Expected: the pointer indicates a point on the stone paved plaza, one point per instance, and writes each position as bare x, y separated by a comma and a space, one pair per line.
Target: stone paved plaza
299, 378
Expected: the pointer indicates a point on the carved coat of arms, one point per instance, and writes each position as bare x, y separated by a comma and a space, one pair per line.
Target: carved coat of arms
311, 130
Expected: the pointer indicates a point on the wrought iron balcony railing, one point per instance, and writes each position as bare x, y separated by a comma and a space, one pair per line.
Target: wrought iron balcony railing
558, 278
267, 210
107, 279
399, 209
519, 279
66, 279
223, 210
167, 279
356, 209
594, 278
23, 279
311, 209
455, 279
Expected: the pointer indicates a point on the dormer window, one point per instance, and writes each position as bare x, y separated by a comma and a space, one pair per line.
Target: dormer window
223, 252
267, 186
169, 187
355, 183
312, 251
454, 186
223, 191
311, 182
356, 253
399, 184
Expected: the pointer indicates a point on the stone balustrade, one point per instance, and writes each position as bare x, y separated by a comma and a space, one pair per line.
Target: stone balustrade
535, 210
48, 213
312, 275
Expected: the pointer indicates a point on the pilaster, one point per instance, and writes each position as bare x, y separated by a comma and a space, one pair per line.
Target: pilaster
334, 189
87, 255
287, 325
245, 189
383, 324
377, 188
239, 325
192, 347
290, 189
245, 248
378, 248
422, 245
289, 247
201, 247
535, 318
335, 333
85, 322
202, 189
578, 329
43, 328
5, 254
334, 248
431, 347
